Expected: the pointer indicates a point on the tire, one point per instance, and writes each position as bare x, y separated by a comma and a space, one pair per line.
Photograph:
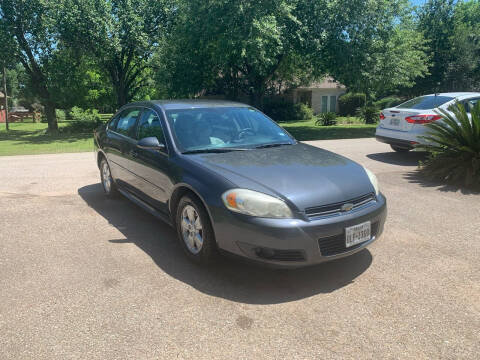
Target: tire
192, 220
108, 183
399, 149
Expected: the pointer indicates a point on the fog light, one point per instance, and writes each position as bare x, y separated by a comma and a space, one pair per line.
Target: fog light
265, 253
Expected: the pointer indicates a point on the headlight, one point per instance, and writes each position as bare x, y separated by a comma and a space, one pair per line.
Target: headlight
255, 204
373, 180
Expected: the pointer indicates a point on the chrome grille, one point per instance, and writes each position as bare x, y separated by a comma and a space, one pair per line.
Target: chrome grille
336, 209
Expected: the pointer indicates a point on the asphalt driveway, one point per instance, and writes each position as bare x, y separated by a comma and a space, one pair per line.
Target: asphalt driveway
86, 277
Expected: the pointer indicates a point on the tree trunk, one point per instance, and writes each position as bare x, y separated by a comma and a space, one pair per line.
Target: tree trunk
121, 92
51, 116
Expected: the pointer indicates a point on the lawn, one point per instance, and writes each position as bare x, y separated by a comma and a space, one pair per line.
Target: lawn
307, 130
31, 138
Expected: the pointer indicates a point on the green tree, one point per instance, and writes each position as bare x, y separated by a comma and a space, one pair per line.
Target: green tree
436, 22
240, 47
28, 30
376, 50
463, 70
120, 35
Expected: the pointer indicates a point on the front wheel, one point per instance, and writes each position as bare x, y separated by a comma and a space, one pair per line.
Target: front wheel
194, 231
400, 149
109, 186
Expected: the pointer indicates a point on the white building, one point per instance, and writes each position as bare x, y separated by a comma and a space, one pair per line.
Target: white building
320, 96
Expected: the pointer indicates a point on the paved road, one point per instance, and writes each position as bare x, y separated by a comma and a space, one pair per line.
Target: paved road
85, 277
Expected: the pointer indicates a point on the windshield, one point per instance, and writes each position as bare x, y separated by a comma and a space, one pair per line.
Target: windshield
425, 102
224, 128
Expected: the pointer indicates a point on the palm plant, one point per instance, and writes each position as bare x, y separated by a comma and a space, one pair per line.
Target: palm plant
326, 119
368, 113
454, 147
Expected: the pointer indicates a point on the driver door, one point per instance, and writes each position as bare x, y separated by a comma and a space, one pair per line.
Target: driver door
151, 167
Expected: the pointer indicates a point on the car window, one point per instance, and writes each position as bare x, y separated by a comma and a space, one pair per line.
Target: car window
149, 125
112, 124
223, 128
126, 121
425, 102
470, 104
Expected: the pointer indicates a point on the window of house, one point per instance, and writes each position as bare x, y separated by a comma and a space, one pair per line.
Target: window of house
324, 104
333, 103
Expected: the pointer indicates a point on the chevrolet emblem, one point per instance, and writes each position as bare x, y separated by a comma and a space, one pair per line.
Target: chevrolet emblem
346, 207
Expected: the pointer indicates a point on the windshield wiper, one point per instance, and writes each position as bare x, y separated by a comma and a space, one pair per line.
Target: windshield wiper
218, 150
271, 145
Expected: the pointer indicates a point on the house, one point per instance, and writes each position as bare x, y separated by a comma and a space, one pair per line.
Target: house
321, 96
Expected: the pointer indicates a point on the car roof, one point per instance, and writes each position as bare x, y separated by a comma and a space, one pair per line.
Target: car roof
456, 94
189, 104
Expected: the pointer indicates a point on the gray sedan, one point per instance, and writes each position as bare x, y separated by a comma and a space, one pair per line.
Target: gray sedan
229, 179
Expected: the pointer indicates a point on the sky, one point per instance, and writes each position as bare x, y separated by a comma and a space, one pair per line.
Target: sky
418, 2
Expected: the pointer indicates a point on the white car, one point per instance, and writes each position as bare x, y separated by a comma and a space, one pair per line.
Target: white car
402, 125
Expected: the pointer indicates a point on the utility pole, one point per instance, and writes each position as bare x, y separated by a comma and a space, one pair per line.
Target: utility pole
6, 97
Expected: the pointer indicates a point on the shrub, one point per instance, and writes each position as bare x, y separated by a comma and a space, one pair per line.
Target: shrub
83, 120
60, 114
349, 103
326, 119
370, 114
303, 112
78, 114
388, 102
282, 110
454, 147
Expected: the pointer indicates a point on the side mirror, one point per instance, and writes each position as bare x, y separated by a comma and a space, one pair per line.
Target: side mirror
150, 143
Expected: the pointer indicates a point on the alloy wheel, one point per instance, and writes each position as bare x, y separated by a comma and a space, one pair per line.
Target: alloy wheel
192, 230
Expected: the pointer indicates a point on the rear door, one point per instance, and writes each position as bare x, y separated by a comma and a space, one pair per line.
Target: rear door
121, 139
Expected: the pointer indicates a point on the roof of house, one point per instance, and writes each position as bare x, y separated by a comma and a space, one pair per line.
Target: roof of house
327, 83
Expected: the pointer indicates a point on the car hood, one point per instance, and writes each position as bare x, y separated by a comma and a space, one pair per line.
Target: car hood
303, 174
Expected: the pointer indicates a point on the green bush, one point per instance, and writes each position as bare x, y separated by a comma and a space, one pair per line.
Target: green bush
60, 114
282, 110
370, 114
326, 119
83, 120
349, 103
303, 112
388, 102
78, 114
454, 147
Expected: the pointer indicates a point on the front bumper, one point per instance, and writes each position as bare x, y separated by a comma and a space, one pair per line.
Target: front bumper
294, 242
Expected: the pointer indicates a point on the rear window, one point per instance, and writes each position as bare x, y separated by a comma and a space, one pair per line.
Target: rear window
425, 102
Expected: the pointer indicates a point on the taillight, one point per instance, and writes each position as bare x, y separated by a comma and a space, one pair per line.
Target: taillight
422, 119
382, 117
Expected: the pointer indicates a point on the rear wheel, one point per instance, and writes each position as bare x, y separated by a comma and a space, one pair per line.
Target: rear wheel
399, 149
109, 186
194, 231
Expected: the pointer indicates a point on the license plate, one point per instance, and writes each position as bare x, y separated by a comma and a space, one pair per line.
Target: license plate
395, 122
357, 234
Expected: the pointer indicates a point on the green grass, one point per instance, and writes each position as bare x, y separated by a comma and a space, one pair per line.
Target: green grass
307, 130
32, 138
